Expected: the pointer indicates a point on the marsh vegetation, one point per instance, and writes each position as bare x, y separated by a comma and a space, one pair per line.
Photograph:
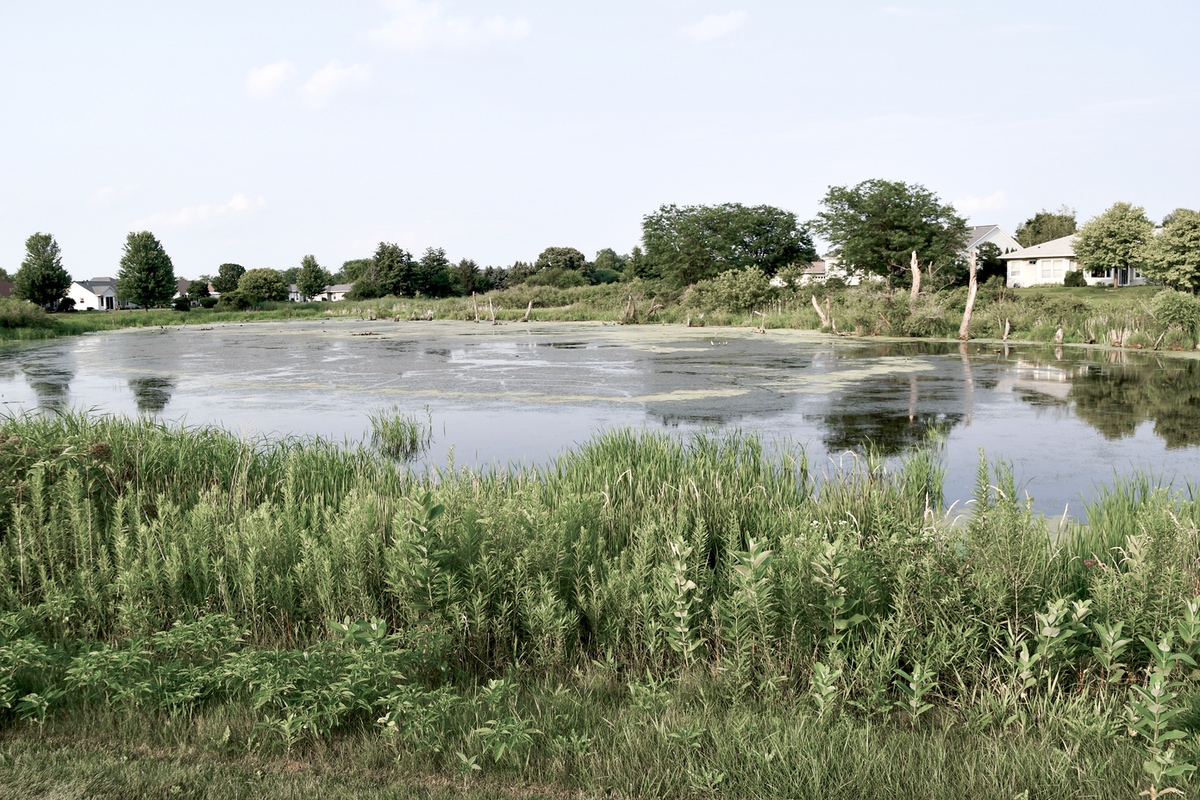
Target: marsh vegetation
646, 615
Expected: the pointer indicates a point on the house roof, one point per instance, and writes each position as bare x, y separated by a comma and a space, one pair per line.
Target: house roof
340, 287
182, 285
98, 286
1063, 247
978, 233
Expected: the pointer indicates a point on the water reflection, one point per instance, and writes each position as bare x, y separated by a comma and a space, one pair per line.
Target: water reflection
151, 393
1116, 398
49, 374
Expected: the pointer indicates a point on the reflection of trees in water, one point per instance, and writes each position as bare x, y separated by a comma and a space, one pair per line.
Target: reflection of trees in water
1116, 399
887, 434
151, 393
49, 381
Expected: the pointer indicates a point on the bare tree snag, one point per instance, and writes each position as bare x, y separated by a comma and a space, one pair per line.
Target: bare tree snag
820, 313
1006, 328
475, 303
916, 273
965, 328
528, 308
492, 309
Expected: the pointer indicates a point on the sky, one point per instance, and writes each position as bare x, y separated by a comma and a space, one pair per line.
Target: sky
259, 132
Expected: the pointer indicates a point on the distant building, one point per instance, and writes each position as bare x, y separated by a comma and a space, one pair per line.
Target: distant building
98, 294
990, 234
334, 292
1049, 263
181, 287
6, 288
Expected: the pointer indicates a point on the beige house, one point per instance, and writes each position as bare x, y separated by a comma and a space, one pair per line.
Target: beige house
1049, 263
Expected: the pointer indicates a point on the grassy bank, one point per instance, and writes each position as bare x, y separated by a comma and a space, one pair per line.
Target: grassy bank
1135, 318
645, 617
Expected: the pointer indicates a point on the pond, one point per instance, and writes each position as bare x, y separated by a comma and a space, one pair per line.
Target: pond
1068, 419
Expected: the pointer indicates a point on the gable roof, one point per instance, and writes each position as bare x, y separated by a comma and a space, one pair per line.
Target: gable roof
978, 233
98, 286
1063, 247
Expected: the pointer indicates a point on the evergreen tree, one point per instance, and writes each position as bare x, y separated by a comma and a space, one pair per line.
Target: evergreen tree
146, 276
41, 279
313, 278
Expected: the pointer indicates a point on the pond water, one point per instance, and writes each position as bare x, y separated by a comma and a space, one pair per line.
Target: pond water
1068, 419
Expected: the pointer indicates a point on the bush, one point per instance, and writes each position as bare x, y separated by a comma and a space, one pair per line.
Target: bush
557, 277
208, 302
1075, 278
1177, 338
734, 290
1176, 308
182, 303
1138, 340
233, 301
16, 313
66, 305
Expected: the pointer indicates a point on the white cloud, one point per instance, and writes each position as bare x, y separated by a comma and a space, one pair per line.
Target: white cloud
714, 26
993, 202
108, 195
421, 25
239, 205
333, 78
265, 81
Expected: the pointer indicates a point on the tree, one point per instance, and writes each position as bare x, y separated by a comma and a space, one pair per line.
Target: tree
608, 267
312, 279
41, 279
1174, 255
875, 227
693, 243
432, 276
199, 287
146, 276
1045, 226
262, 285
989, 263
227, 278
467, 278
354, 269
1118, 239
393, 271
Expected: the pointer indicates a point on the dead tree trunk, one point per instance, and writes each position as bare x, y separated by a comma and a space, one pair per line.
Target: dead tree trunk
475, 303
965, 327
916, 275
820, 313
528, 308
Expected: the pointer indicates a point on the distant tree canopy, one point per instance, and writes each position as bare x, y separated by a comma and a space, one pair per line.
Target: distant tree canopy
312, 277
41, 280
146, 276
693, 243
875, 227
393, 271
1046, 226
262, 285
1174, 255
227, 277
1117, 239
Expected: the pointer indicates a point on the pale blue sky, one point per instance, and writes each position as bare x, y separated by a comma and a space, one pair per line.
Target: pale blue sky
257, 132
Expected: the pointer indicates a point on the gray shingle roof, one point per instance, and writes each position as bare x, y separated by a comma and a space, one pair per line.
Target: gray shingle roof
1063, 247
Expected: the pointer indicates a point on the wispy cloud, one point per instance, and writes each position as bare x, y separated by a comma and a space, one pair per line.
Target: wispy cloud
240, 205
265, 81
109, 195
970, 204
421, 25
714, 26
333, 78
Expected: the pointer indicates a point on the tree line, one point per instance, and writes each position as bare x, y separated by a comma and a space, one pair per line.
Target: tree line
892, 230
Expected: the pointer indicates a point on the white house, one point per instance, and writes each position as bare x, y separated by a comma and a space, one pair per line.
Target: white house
98, 294
336, 291
1049, 262
990, 234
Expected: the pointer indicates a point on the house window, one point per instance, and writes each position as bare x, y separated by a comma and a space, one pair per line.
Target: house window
1101, 273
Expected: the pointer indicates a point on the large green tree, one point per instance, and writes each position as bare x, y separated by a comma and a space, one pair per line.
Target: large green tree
41, 279
312, 278
432, 276
227, 277
1174, 255
262, 285
1045, 226
686, 244
146, 276
875, 227
1118, 239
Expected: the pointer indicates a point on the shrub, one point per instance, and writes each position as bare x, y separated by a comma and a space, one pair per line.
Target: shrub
1075, 278
233, 301
558, 277
734, 290
16, 313
208, 302
1138, 340
182, 303
1171, 307
66, 305
1177, 338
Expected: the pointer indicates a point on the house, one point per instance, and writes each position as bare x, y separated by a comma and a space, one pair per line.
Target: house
990, 234
1049, 262
98, 294
335, 292
824, 267
6, 288
181, 288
